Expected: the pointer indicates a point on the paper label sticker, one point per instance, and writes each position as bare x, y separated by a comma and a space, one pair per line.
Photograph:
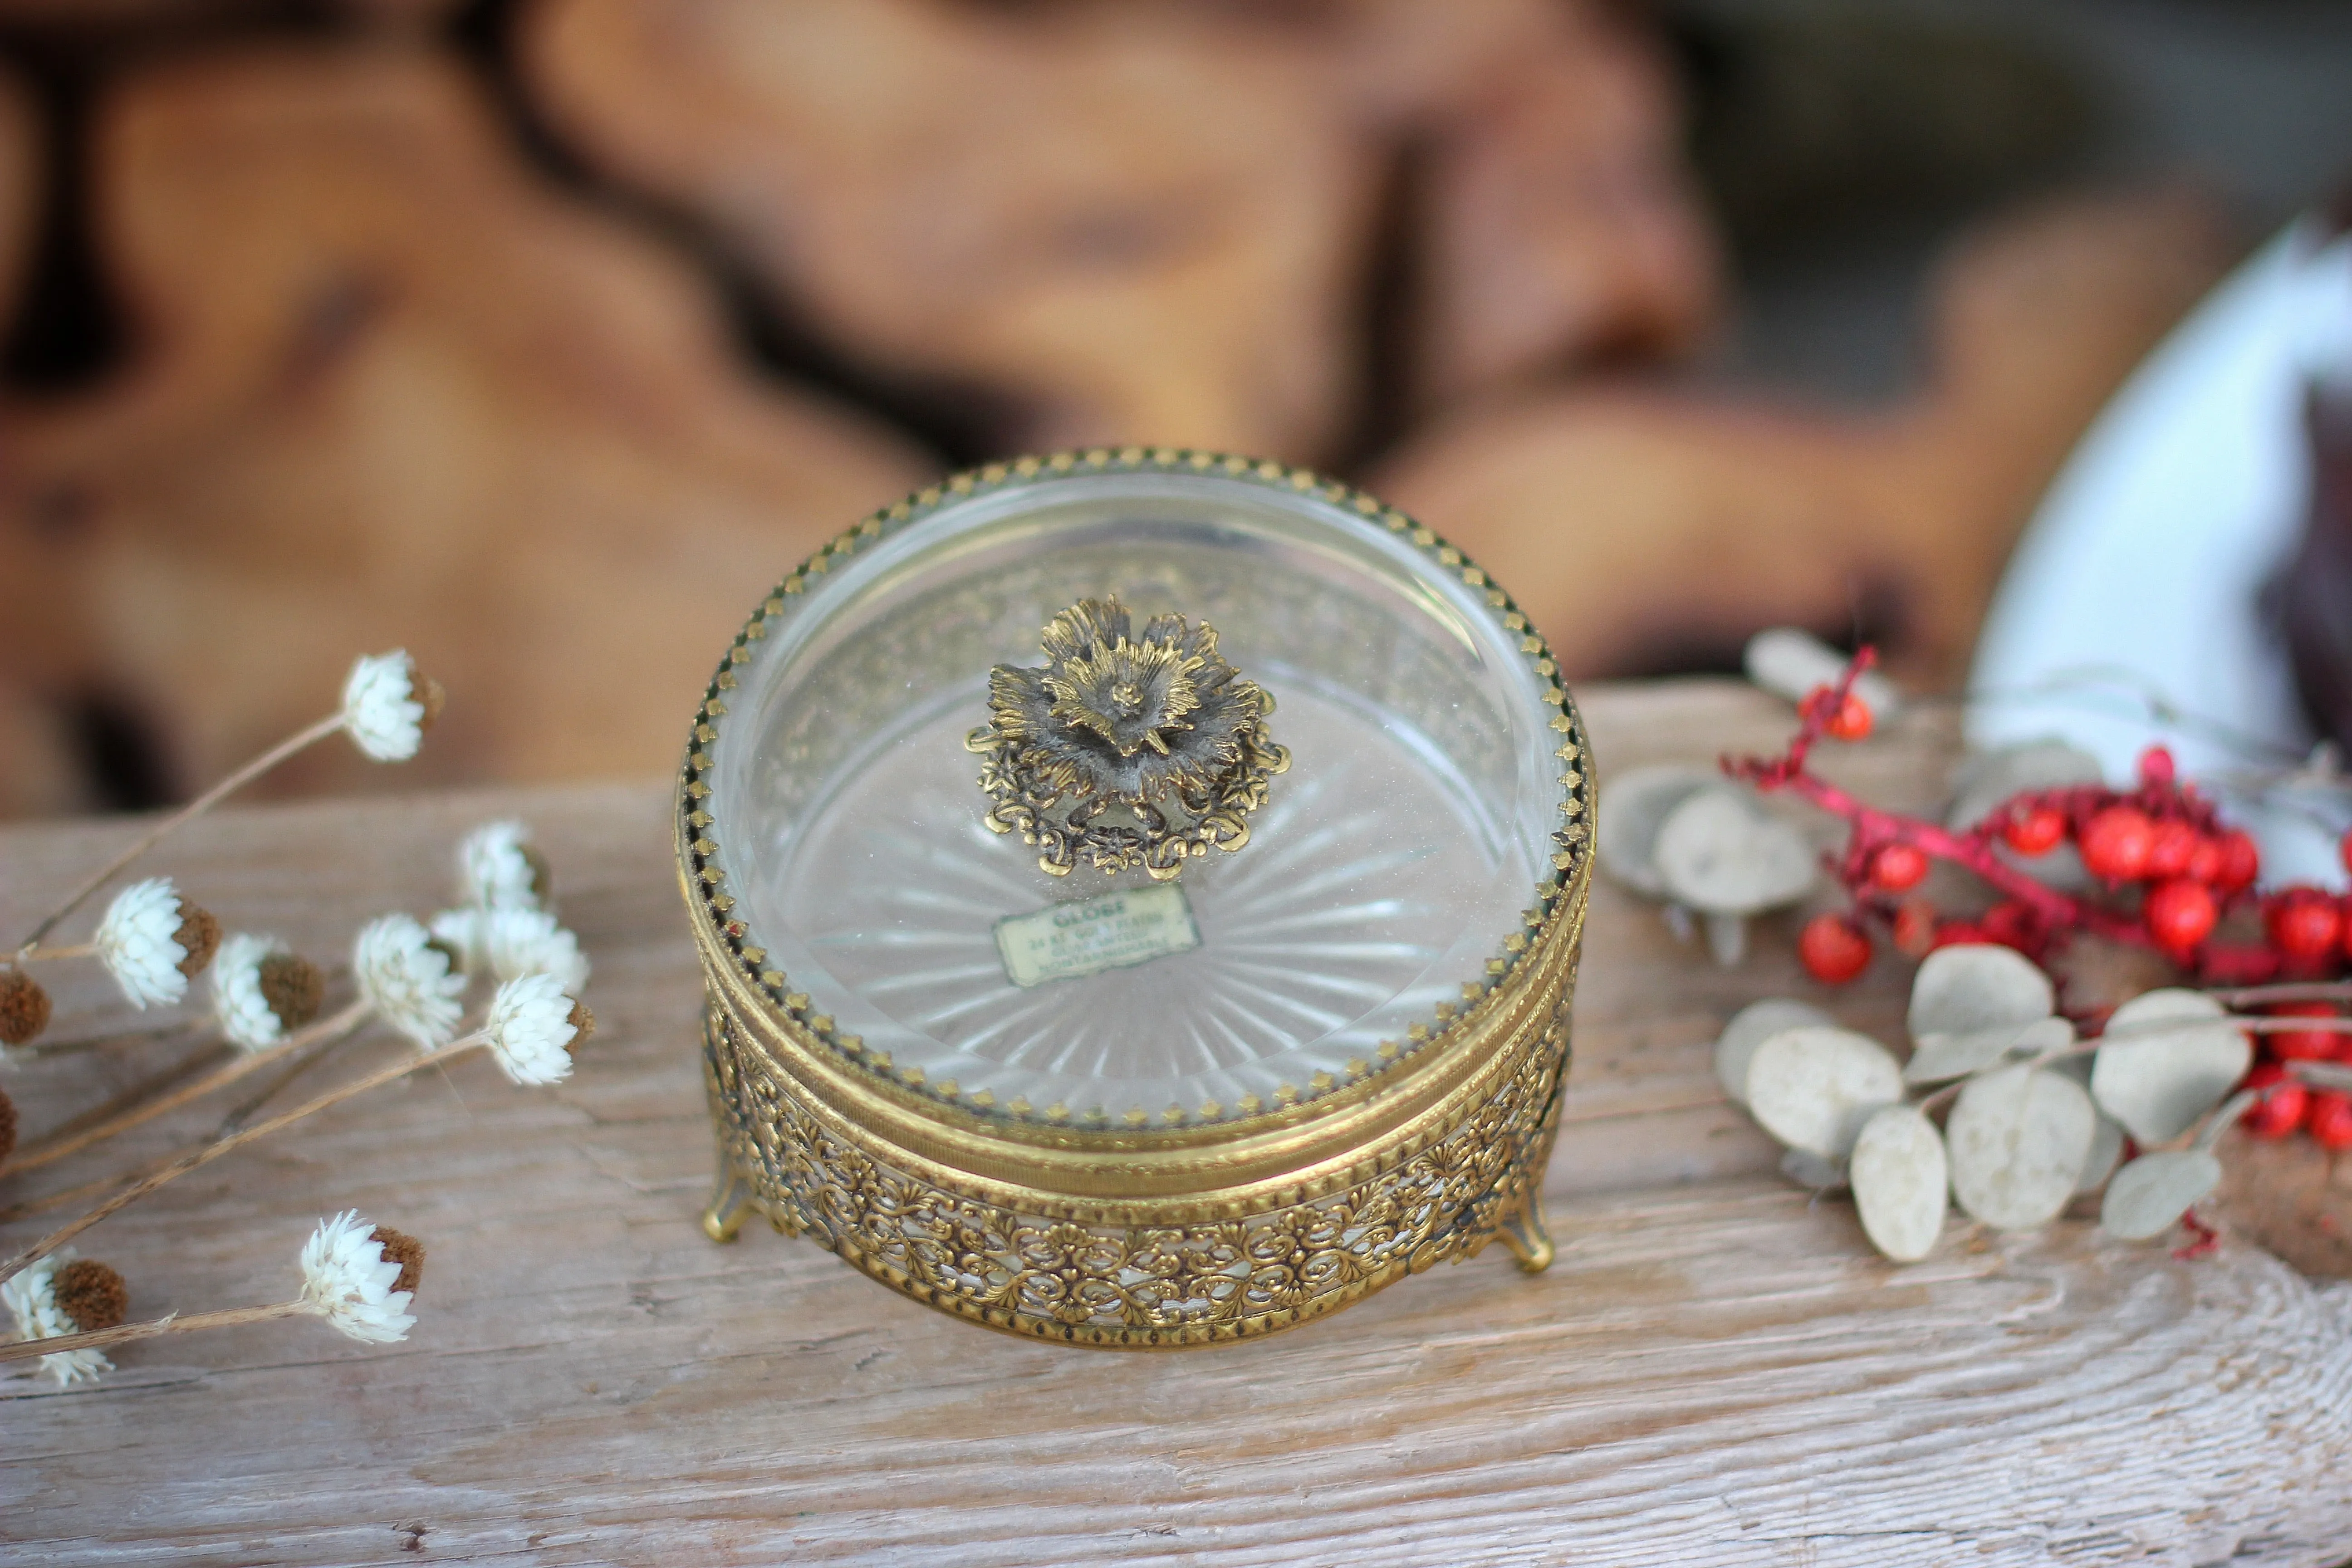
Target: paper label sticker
1113, 930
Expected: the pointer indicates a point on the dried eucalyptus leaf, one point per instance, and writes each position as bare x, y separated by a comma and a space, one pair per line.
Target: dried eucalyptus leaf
2148, 1197
1719, 852
1900, 1182
2106, 1148
2159, 1082
2019, 1137
1634, 806
1750, 1027
1814, 1086
1985, 779
1937, 1059
1793, 663
1975, 986
1812, 1171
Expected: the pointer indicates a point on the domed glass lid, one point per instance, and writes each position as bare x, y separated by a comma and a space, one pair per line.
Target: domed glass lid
1314, 923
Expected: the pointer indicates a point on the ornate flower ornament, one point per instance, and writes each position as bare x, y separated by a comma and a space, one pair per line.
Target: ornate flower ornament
1124, 751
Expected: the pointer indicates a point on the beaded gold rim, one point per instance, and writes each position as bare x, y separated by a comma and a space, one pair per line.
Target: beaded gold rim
700, 849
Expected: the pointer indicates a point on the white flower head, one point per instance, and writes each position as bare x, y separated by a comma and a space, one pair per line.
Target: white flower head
407, 978
347, 1280
32, 1299
531, 1026
261, 990
462, 931
499, 868
152, 940
528, 942
388, 705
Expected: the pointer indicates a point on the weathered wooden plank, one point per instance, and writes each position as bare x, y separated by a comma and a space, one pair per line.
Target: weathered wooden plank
1714, 1370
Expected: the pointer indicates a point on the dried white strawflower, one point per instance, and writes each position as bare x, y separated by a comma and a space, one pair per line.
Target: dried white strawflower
528, 942
348, 1280
499, 868
52, 1298
388, 705
261, 990
462, 931
532, 1024
408, 980
152, 940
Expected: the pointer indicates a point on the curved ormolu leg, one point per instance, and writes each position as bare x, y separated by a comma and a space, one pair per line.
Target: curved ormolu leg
1524, 1234
730, 1200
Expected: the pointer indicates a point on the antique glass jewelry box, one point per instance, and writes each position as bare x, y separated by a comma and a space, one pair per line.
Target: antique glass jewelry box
1138, 894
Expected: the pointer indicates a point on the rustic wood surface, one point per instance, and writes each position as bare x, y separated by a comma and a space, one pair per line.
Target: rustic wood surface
1700, 516
387, 386
1717, 1370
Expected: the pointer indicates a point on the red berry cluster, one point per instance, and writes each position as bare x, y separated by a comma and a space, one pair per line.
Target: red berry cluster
2171, 871
2288, 1105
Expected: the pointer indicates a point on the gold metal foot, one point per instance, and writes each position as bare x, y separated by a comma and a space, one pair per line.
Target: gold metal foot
731, 1201
1524, 1234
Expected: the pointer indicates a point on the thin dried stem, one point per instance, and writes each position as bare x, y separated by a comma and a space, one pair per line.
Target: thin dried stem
64, 1196
123, 1333
245, 1063
303, 1062
235, 1140
300, 741
43, 954
151, 1035
2286, 990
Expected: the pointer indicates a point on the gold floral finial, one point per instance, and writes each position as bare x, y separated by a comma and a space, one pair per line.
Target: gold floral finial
1157, 725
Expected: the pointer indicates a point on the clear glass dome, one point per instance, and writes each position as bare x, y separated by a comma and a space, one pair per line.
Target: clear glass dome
1387, 869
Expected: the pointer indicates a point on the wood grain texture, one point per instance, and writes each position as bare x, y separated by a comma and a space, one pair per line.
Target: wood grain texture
1637, 525
1716, 1370
390, 387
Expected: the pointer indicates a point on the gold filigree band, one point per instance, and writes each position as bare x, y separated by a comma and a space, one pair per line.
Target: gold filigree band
1134, 1287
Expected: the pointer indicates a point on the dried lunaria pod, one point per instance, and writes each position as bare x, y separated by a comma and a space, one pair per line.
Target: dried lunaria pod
1970, 1003
1749, 1028
152, 941
1900, 1180
2018, 1137
2167, 1058
2036, 1118
1813, 1087
1633, 807
1985, 779
1795, 664
2148, 1197
1704, 844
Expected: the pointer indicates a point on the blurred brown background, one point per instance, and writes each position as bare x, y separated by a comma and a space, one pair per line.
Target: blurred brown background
539, 336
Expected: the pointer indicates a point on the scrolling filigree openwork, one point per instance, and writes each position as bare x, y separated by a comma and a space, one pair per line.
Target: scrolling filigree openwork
1124, 751
1137, 1287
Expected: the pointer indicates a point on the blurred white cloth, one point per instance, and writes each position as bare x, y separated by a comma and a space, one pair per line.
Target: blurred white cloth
2150, 552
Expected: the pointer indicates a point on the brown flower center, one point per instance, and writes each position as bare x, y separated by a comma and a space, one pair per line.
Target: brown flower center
405, 1249
91, 1294
23, 1008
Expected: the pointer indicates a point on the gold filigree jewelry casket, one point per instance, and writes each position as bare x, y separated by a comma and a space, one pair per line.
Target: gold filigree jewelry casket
1139, 895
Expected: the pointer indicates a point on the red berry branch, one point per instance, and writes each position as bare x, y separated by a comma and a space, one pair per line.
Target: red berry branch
2172, 870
